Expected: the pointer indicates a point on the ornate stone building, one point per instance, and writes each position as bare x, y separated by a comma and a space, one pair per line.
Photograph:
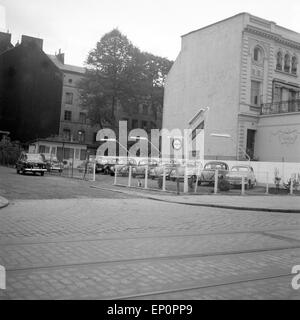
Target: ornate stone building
245, 69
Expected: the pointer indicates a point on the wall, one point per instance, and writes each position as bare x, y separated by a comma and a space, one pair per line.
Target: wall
278, 138
206, 74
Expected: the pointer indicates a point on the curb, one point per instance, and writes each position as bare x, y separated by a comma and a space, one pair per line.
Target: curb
3, 202
296, 211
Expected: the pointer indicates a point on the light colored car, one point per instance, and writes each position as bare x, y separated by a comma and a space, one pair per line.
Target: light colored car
208, 173
234, 177
140, 169
179, 172
123, 166
157, 171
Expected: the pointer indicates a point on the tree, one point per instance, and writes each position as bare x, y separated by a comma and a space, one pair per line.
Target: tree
119, 73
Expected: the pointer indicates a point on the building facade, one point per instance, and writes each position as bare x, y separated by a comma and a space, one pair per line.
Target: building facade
30, 90
243, 71
74, 125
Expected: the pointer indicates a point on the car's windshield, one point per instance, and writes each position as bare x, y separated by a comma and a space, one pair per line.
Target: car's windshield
215, 166
241, 169
34, 157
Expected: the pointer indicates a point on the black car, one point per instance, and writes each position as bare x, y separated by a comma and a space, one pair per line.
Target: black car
29, 162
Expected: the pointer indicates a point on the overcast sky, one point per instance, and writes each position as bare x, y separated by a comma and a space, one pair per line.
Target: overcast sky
153, 25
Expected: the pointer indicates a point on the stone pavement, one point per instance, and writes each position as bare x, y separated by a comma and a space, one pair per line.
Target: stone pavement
133, 248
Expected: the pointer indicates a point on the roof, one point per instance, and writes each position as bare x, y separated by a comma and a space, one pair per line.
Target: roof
66, 67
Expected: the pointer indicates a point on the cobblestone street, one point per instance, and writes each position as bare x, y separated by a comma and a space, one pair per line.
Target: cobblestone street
96, 244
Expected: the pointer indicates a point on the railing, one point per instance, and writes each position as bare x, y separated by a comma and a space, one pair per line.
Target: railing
281, 107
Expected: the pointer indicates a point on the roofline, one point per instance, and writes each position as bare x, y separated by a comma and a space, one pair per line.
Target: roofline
212, 24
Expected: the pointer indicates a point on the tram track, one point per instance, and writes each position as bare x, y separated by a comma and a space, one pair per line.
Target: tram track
265, 232
152, 259
205, 285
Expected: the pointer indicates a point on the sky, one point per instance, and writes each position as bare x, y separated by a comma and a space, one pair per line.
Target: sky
75, 26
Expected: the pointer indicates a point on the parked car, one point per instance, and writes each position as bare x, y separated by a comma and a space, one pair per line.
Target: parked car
208, 173
140, 169
179, 172
123, 166
31, 162
157, 171
86, 166
101, 164
234, 177
108, 167
52, 163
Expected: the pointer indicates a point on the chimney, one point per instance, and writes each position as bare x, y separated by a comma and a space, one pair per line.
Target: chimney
60, 56
26, 40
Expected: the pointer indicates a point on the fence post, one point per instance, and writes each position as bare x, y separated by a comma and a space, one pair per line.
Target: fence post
129, 176
197, 179
146, 178
185, 182
267, 186
116, 175
94, 171
216, 181
164, 180
243, 185
291, 186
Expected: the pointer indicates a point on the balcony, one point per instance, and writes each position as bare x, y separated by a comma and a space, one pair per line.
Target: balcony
288, 106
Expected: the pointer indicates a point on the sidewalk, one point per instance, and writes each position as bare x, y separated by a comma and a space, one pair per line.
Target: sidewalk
3, 202
289, 204
268, 203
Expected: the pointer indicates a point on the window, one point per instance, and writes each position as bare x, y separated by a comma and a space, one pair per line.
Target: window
145, 109
69, 98
279, 61
255, 93
82, 154
70, 81
67, 134
257, 54
81, 136
287, 62
68, 115
82, 117
144, 124
135, 123
294, 65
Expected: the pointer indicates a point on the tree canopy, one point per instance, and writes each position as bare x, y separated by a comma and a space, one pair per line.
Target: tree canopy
117, 72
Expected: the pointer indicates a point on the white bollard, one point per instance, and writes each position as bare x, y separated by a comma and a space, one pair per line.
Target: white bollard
129, 176
185, 181
94, 171
116, 175
216, 181
291, 186
267, 185
164, 180
146, 178
243, 186
197, 179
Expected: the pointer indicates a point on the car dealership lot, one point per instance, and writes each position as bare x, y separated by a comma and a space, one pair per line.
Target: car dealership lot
61, 239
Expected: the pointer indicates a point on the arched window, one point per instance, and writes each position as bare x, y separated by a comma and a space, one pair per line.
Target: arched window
279, 61
294, 65
257, 54
287, 62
